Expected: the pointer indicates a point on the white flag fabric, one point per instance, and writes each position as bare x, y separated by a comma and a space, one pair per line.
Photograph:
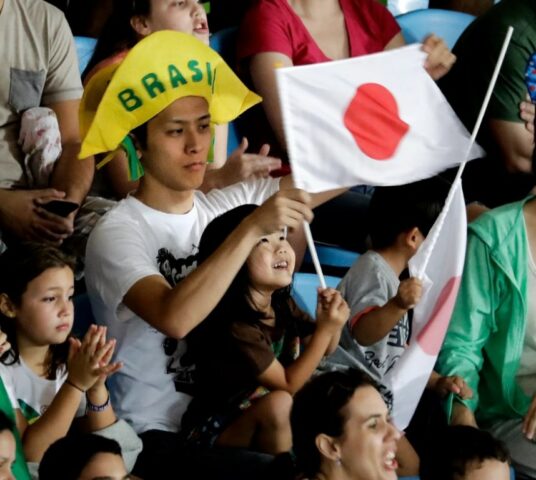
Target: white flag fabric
373, 120
439, 262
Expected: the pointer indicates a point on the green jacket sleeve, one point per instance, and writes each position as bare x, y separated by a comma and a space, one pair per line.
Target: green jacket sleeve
472, 320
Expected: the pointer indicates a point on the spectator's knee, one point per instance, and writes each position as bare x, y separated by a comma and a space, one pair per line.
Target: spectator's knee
277, 406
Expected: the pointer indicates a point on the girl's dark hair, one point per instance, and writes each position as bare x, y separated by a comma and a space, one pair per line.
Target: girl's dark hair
67, 457
459, 448
6, 423
319, 408
236, 297
117, 34
19, 265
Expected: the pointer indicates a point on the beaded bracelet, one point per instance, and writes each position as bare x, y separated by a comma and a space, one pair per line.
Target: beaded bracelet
97, 408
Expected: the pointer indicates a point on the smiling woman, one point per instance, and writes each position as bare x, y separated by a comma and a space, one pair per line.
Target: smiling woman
341, 429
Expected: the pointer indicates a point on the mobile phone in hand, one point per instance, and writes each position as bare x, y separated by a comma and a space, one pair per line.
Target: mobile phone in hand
60, 207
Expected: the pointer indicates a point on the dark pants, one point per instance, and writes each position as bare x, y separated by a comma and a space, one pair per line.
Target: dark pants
165, 456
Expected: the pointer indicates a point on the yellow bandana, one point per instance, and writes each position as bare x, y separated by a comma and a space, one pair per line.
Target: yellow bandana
160, 69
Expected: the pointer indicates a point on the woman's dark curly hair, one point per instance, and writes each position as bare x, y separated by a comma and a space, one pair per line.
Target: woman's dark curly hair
19, 265
319, 408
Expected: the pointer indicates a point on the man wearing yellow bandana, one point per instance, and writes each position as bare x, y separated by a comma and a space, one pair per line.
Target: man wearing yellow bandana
141, 270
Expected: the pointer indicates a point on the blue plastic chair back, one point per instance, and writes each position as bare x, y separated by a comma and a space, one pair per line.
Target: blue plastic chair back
84, 50
447, 24
224, 42
331, 256
304, 289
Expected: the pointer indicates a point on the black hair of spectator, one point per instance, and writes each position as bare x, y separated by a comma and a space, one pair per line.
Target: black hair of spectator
67, 457
19, 265
140, 135
236, 297
319, 408
459, 448
117, 34
398, 209
6, 423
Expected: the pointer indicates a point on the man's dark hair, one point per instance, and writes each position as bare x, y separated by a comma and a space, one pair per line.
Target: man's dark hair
457, 449
67, 457
395, 210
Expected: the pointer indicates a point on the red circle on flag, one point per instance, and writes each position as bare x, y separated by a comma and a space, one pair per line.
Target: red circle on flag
430, 338
373, 120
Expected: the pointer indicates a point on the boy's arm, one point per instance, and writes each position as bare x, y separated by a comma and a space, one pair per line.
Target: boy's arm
317, 198
370, 327
176, 311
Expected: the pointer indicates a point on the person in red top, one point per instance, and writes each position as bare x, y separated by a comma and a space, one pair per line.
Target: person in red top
283, 33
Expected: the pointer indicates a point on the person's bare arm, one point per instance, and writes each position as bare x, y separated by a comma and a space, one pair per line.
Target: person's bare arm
262, 70
71, 175
176, 311
332, 314
376, 324
515, 142
317, 199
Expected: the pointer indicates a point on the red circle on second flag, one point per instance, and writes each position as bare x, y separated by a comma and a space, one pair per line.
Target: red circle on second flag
373, 120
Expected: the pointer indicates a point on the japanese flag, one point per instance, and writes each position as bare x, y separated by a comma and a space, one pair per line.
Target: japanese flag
374, 120
439, 262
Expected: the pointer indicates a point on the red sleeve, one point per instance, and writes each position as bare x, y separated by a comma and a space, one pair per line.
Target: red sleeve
381, 18
265, 28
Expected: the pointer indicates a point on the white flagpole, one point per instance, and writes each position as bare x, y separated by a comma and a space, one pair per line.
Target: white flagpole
472, 140
314, 255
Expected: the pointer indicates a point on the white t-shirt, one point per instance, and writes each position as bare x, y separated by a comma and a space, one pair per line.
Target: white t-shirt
31, 393
526, 373
134, 241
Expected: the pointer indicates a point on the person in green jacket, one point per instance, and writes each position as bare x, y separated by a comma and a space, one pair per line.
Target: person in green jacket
491, 340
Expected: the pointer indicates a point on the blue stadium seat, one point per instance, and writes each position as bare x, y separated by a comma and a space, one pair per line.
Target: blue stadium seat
447, 24
304, 288
224, 42
84, 50
331, 256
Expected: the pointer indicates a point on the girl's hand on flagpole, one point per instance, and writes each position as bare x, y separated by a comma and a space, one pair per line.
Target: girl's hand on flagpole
440, 59
527, 111
287, 208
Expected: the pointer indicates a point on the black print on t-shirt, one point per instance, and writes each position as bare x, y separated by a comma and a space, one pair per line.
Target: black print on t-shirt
181, 364
398, 336
174, 269
384, 365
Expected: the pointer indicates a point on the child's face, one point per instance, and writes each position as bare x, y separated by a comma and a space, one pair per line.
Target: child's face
187, 16
271, 263
45, 314
178, 141
7, 454
488, 469
104, 465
